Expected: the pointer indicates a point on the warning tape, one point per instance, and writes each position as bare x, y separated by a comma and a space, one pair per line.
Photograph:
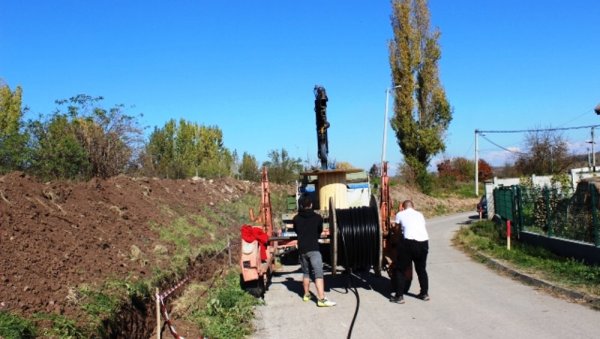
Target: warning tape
168, 321
162, 296
174, 288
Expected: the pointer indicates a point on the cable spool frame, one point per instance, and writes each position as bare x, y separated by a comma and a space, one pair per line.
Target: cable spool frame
333, 236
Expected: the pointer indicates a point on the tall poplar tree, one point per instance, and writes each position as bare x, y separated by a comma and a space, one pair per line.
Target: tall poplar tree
13, 150
422, 112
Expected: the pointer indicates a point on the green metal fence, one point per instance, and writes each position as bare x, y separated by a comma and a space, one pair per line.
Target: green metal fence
551, 212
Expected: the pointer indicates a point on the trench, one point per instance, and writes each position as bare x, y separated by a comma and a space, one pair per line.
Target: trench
137, 318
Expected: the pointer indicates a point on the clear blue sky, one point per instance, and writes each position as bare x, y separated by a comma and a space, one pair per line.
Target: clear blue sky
250, 67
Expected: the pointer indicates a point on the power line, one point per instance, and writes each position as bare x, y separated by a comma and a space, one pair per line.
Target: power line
587, 112
502, 147
538, 130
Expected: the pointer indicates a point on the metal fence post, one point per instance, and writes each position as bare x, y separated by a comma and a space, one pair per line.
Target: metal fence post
593, 192
547, 203
520, 209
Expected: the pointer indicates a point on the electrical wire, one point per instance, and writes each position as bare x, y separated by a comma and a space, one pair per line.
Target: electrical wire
359, 236
538, 130
502, 147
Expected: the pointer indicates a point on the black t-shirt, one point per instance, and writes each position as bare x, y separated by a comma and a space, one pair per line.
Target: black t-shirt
308, 225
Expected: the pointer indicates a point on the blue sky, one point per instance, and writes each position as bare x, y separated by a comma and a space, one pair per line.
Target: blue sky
249, 67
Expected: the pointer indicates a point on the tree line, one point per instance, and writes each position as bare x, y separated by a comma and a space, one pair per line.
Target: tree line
81, 139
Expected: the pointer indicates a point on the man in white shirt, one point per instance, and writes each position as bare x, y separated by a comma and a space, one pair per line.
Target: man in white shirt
413, 248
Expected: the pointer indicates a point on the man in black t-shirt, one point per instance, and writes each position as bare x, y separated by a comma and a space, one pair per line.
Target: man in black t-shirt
308, 225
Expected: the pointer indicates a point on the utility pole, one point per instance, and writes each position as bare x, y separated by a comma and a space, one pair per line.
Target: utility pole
476, 164
593, 152
385, 123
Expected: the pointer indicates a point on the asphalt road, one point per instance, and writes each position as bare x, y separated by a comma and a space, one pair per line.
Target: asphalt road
468, 300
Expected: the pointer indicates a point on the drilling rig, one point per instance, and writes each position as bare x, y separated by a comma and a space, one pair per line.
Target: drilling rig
356, 223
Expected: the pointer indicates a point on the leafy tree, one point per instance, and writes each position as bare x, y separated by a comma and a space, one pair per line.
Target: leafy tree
81, 139
461, 169
57, 152
546, 153
249, 168
485, 170
181, 150
375, 171
282, 168
343, 165
13, 143
422, 112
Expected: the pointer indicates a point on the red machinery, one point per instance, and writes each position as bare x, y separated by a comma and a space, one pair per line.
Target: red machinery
257, 257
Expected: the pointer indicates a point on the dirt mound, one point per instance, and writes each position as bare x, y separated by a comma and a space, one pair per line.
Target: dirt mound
56, 236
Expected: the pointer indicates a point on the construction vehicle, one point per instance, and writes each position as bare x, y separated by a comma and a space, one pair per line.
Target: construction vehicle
356, 224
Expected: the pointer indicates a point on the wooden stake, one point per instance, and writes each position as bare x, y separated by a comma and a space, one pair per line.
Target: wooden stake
229, 249
508, 234
157, 314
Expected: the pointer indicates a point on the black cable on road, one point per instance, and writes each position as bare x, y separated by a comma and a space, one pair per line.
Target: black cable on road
358, 233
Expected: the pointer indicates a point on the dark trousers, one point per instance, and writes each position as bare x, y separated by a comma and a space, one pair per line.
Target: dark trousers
412, 251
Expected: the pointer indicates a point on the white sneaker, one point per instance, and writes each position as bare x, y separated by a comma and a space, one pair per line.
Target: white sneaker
325, 303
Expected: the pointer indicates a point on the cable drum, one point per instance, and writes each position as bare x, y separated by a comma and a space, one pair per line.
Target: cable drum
356, 237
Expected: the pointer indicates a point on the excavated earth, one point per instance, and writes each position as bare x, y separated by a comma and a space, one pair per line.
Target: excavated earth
56, 237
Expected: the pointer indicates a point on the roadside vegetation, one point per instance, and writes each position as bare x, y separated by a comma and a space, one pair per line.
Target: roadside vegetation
486, 237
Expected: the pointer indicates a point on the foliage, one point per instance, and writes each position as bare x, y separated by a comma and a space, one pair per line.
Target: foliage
375, 171
13, 143
561, 181
56, 151
484, 236
422, 113
98, 304
343, 165
282, 168
546, 153
82, 140
248, 169
12, 326
183, 233
485, 170
456, 169
181, 150
229, 310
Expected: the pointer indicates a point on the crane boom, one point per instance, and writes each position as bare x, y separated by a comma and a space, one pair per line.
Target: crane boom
322, 124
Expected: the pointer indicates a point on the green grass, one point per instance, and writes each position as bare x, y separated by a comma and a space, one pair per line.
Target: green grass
13, 326
228, 311
61, 327
442, 189
484, 236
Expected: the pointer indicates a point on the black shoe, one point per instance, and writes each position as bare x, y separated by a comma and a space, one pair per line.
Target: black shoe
397, 300
424, 297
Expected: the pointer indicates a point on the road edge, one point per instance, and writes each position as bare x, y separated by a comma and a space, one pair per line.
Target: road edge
574, 296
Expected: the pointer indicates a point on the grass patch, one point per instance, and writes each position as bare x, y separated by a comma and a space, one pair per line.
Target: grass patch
485, 236
13, 326
228, 310
59, 327
449, 188
103, 303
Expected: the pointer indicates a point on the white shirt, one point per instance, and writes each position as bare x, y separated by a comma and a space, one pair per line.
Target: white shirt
413, 224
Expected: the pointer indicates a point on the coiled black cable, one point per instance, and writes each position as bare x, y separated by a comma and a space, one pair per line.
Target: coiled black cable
358, 229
